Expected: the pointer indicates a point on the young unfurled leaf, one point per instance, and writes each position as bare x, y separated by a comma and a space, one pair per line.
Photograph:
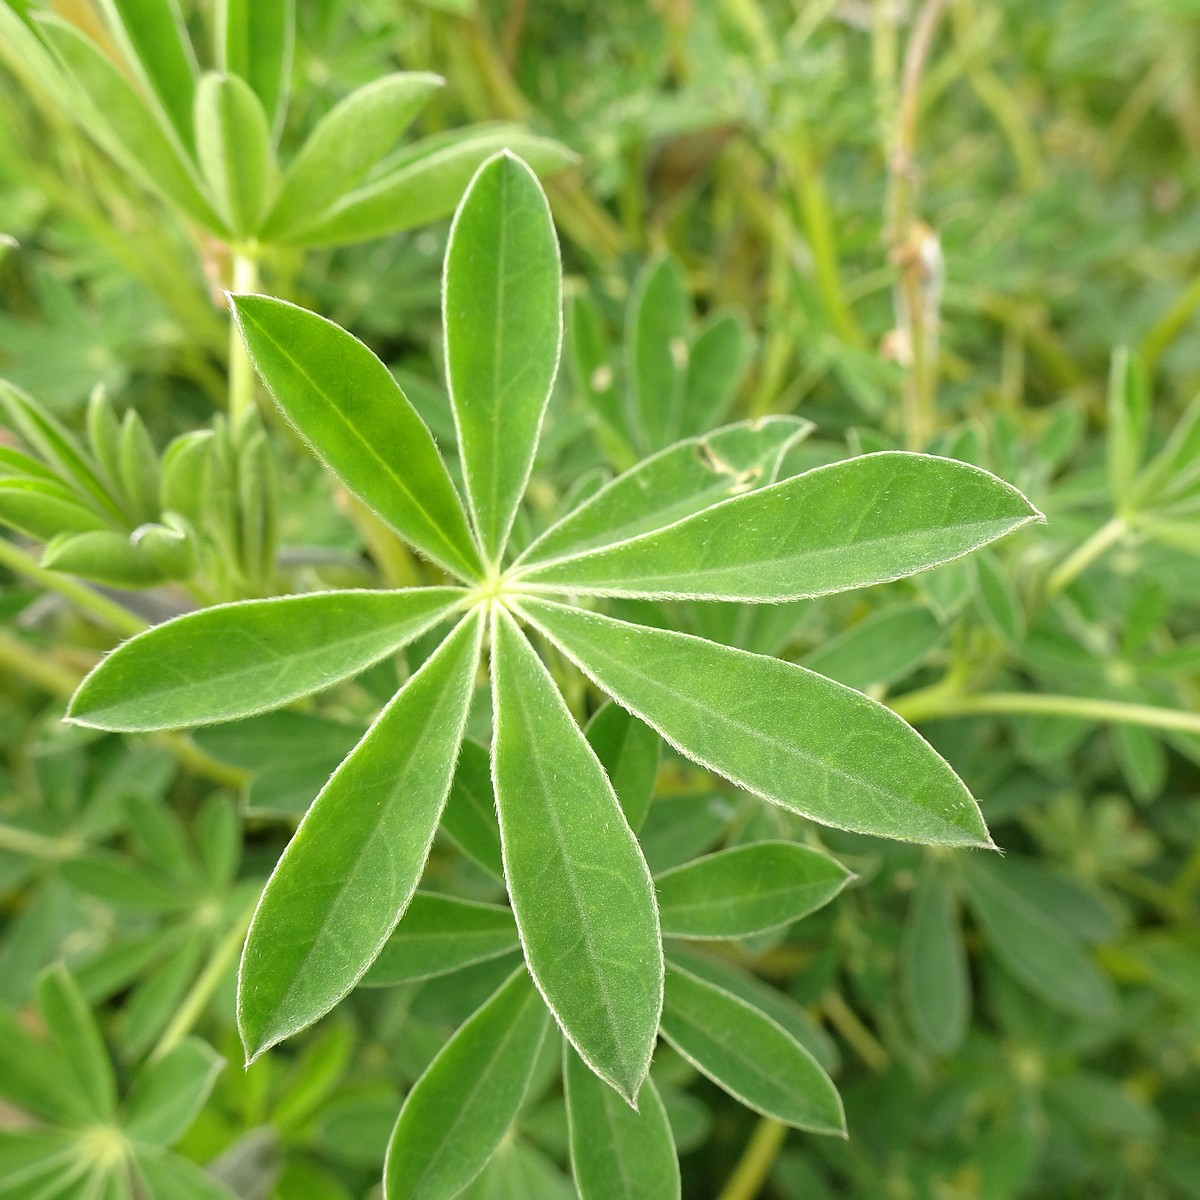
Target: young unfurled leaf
933, 964
616, 1153
864, 521
42, 509
156, 45
425, 181
238, 659
460, 1109
345, 145
74, 1031
1039, 951
629, 751
578, 883
657, 342
745, 1052
746, 890
440, 934
793, 737
502, 306
168, 1092
233, 145
348, 874
675, 483
346, 405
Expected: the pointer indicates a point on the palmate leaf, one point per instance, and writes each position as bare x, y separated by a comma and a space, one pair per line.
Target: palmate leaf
238, 659
579, 886
868, 520
348, 874
502, 310
791, 736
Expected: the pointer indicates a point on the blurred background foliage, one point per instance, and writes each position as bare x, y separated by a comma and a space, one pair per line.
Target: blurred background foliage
959, 226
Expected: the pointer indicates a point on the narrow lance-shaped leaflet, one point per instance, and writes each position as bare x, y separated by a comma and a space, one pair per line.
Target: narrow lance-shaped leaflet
579, 886
353, 865
795, 738
868, 520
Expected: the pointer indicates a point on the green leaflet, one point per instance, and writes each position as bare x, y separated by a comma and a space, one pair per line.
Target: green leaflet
155, 42
502, 310
881, 648
440, 934
658, 351
675, 483
629, 751
167, 1093
42, 509
616, 1153
1037, 949
119, 119
459, 1111
233, 145
715, 363
169, 1175
423, 182
746, 890
74, 1032
470, 816
349, 872
238, 659
933, 964
346, 405
347, 142
864, 521
255, 40
745, 1052
793, 737
578, 883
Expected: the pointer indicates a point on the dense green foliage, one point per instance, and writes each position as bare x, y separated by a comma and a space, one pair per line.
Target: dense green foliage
536, 726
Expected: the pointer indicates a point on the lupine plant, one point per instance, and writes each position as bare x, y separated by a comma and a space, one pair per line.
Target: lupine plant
709, 518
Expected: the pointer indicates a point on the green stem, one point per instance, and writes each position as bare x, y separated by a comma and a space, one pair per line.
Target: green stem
1170, 325
83, 597
205, 986
34, 845
756, 1162
932, 703
241, 371
1077, 562
59, 681
37, 668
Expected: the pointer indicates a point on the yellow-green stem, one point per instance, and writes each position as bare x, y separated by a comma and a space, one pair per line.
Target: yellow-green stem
844, 1019
756, 1162
241, 371
932, 703
83, 597
1080, 559
37, 668
206, 984
1171, 324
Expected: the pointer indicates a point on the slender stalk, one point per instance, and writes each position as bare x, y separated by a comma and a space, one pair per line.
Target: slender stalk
756, 1162
914, 246
1083, 556
37, 668
241, 371
843, 1018
932, 703
59, 681
83, 597
206, 984
34, 845
1171, 324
